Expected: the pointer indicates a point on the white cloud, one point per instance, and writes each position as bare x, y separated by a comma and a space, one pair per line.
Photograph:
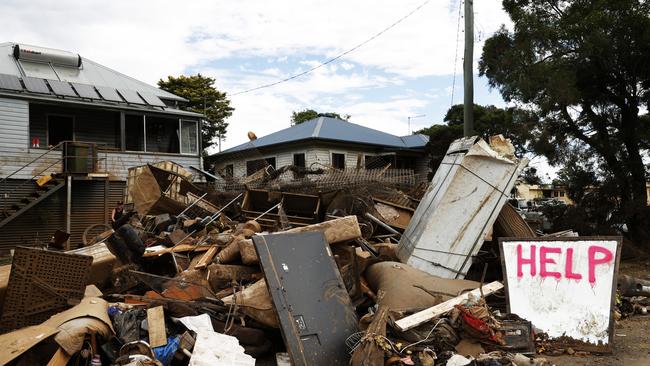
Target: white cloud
151, 39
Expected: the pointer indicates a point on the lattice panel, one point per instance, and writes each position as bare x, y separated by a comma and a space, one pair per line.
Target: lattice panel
41, 284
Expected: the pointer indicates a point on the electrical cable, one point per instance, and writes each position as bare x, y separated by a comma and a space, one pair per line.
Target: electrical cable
335, 57
453, 83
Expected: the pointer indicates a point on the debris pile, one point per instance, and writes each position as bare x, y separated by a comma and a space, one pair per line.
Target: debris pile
320, 274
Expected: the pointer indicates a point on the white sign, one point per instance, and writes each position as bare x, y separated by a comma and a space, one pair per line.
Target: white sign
565, 287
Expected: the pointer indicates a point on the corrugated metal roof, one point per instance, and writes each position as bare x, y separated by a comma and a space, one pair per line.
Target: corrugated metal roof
333, 129
90, 73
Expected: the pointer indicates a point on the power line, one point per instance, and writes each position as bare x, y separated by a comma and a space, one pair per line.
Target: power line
453, 84
336, 57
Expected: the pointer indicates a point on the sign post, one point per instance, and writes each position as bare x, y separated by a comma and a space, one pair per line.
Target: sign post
565, 286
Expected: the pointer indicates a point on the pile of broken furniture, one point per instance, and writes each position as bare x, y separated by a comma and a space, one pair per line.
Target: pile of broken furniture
362, 276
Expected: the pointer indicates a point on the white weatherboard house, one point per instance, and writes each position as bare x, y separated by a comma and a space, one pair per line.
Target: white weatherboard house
326, 141
62, 113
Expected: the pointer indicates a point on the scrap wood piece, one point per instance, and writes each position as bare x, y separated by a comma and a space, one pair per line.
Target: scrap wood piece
60, 358
16, 343
336, 231
425, 315
247, 252
255, 301
370, 351
207, 258
181, 248
230, 253
156, 324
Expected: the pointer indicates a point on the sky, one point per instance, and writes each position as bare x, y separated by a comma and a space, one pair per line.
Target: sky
407, 71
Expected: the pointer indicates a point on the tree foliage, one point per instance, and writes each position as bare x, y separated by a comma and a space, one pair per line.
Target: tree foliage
308, 114
583, 67
203, 96
488, 120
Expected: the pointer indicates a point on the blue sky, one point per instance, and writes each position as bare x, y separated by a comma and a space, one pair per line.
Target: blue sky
407, 71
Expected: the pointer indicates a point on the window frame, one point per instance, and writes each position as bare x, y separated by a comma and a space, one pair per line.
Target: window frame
332, 152
180, 136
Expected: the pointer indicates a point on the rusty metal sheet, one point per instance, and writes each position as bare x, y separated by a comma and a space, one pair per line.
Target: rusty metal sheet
315, 312
41, 284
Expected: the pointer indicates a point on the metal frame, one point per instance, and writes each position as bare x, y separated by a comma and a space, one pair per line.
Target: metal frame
578, 344
47, 125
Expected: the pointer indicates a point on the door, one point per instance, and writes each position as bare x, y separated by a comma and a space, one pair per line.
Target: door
59, 128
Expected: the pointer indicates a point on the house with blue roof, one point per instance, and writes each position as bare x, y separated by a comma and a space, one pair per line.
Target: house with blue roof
325, 142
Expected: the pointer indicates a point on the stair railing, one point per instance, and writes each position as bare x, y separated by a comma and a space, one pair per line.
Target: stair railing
52, 148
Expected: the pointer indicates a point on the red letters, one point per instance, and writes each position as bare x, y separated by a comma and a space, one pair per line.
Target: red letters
521, 261
593, 262
543, 260
568, 268
596, 255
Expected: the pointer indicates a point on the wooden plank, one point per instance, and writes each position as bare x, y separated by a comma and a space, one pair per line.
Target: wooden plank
156, 323
337, 230
207, 257
179, 249
425, 315
60, 358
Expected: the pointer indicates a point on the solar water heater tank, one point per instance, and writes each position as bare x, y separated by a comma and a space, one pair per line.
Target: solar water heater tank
46, 55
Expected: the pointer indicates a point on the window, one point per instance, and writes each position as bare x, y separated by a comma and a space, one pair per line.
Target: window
59, 128
405, 162
229, 171
338, 161
162, 135
299, 160
561, 193
134, 132
189, 138
253, 166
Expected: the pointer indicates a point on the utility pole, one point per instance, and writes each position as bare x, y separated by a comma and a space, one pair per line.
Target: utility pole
468, 75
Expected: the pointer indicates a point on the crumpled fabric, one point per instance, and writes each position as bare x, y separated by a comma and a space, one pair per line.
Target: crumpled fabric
478, 328
127, 324
72, 333
165, 353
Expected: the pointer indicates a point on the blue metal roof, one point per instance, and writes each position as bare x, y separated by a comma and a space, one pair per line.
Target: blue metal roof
333, 129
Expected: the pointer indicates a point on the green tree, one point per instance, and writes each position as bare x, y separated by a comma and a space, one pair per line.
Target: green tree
308, 114
529, 176
511, 122
583, 67
203, 97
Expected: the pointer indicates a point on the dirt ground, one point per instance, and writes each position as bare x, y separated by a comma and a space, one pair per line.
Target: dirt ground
632, 335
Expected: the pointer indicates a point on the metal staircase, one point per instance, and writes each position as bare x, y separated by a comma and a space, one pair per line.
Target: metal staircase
37, 193
30, 201
71, 158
